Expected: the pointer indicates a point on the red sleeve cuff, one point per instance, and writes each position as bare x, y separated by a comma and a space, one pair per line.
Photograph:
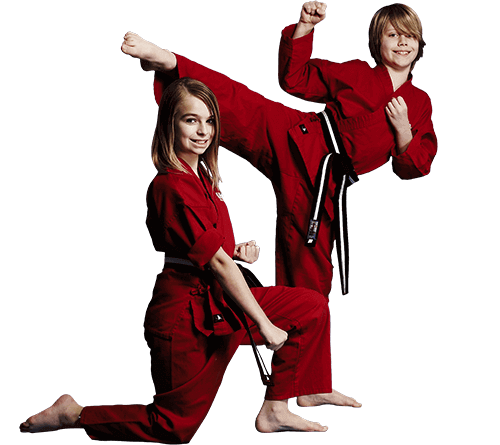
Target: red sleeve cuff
205, 247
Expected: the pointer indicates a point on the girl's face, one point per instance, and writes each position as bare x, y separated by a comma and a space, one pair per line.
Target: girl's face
194, 129
398, 51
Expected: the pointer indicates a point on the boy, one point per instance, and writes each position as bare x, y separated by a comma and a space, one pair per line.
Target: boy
376, 113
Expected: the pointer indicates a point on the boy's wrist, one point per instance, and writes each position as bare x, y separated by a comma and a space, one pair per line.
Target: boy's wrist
302, 29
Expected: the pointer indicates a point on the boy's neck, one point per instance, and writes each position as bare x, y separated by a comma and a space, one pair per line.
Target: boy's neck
398, 77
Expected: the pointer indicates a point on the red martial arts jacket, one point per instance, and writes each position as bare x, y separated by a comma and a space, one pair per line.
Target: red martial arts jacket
287, 145
357, 96
187, 219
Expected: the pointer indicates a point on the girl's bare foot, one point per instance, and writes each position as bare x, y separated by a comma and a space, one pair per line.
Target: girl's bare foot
333, 398
64, 413
152, 57
274, 417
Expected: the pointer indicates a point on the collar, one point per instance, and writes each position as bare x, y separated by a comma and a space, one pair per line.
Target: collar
385, 78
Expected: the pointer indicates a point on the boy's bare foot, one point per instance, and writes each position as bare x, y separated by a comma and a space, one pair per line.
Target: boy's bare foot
64, 413
152, 57
274, 417
333, 398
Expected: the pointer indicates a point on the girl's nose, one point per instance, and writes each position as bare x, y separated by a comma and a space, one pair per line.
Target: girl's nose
202, 129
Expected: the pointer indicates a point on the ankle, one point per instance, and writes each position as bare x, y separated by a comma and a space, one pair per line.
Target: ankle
275, 406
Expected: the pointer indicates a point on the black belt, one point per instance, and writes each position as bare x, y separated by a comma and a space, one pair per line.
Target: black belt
339, 164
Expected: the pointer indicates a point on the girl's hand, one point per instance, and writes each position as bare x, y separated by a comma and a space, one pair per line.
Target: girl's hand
273, 336
248, 252
312, 13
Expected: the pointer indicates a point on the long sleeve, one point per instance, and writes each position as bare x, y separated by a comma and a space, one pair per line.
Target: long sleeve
416, 160
298, 74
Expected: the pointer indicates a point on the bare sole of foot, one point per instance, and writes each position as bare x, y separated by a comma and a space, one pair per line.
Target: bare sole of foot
152, 57
275, 417
64, 413
333, 398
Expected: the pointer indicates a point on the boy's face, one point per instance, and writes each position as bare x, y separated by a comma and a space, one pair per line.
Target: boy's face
398, 51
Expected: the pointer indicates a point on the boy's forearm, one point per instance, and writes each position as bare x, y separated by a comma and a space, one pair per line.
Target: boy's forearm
403, 139
302, 29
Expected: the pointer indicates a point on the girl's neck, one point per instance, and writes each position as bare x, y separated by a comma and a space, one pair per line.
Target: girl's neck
192, 161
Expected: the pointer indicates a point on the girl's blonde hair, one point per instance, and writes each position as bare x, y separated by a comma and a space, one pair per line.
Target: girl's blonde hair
404, 19
163, 147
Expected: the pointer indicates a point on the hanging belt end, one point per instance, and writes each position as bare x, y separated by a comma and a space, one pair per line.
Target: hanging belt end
266, 380
312, 233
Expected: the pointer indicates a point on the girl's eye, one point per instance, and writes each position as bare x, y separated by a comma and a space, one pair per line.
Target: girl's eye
211, 121
190, 120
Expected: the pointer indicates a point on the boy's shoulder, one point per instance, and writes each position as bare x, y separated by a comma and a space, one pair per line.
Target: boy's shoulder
358, 63
351, 71
353, 64
419, 94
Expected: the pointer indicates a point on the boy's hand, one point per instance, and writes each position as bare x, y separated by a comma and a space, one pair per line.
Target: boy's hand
397, 112
312, 13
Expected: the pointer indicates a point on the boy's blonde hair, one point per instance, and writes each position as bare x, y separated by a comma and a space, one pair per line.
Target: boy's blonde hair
163, 147
404, 19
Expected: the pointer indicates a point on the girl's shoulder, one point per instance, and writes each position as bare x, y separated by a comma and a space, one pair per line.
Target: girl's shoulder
176, 186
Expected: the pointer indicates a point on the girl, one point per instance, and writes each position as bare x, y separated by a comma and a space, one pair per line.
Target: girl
191, 326
368, 114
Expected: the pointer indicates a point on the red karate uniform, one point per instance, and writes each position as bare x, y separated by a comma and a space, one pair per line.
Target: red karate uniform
287, 145
193, 332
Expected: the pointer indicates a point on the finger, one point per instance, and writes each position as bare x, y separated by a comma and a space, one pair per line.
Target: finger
274, 347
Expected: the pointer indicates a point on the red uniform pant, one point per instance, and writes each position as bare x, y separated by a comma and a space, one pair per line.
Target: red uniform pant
187, 370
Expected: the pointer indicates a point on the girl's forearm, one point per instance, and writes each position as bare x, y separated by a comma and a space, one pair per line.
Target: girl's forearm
232, 281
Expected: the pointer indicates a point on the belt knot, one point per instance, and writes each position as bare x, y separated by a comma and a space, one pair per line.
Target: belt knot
199, 290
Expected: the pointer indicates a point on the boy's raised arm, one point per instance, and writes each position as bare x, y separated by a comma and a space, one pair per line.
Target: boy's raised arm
311, 14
